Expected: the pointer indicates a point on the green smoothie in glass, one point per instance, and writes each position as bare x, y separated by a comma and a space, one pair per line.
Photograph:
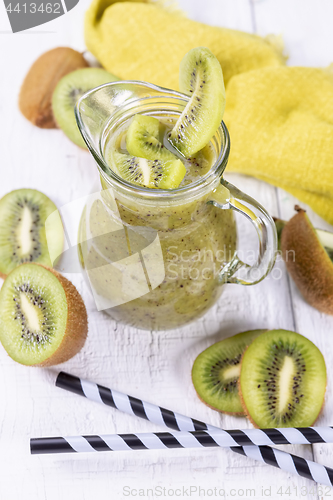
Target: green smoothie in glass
158, 241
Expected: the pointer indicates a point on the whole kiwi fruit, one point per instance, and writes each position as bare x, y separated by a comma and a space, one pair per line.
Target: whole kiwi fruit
41, 80
308, 262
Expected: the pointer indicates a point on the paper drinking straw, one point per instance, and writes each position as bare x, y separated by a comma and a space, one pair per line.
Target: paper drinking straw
133, 406
137, 441
178, 422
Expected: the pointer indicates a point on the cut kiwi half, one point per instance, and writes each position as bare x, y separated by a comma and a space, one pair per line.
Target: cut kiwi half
24, 214
156, 174
200, 77
308, 255
68, 91
216, 371
43, 320
282, 380
142, 139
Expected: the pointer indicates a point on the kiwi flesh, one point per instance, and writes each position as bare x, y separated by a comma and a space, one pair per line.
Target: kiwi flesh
216, 371
156, 174
307, 261
68, 91
200, 77
282, 380
23, 238
43, 320
142, 139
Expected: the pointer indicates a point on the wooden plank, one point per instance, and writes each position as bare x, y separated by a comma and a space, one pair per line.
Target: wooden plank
233, 14
306, 28
146, 364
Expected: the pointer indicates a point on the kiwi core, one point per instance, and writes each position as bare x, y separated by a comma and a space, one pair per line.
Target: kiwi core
287, 374
30, 313
232, 372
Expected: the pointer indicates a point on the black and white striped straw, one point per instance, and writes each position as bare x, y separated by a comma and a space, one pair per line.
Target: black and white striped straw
179, 439
194, 432
176, 421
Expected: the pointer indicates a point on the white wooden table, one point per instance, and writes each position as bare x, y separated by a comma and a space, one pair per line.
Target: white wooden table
152, 366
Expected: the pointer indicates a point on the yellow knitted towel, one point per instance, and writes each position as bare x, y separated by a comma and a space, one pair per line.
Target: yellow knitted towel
138, 40
281, 127
280, 119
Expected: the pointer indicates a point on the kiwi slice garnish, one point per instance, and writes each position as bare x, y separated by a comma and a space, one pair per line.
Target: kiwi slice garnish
308, 256
23, 214
68, 91
216, 371
142, 139
43, 320
200, 77
149, 173
283, 380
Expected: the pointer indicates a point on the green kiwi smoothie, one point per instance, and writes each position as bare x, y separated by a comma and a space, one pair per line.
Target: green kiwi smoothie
160, 239
154, 247
176, 248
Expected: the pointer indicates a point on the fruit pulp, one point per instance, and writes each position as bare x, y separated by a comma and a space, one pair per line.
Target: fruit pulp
196, 166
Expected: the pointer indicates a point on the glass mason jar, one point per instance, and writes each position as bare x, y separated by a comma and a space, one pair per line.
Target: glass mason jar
157, 259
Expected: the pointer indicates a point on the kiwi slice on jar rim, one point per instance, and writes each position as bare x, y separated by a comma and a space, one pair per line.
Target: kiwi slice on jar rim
26, 233
142, 139
282, 381
158, 174
43, 320
201, 78
68, 91
216, 371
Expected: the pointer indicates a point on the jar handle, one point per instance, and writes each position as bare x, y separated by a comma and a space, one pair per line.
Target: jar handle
235, 199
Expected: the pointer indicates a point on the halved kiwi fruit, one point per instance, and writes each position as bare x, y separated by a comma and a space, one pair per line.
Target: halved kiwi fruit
43, 320
308, 255
149, 173
200, 77
142, 139
216, 371
282, 380
23, 214
68, 91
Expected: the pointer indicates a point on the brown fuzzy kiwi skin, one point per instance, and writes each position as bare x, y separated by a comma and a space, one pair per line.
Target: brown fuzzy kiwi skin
76, 327
3, 276
36, 92
77, 323
307, 262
